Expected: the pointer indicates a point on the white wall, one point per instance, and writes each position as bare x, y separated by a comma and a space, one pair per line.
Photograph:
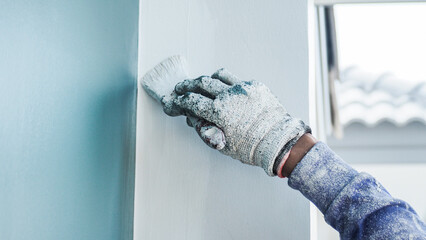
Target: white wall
184, 190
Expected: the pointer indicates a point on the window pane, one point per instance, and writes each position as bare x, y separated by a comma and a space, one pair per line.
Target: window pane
383, 37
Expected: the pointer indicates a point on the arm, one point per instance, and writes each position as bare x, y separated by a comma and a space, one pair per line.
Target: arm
259, 131
353, 203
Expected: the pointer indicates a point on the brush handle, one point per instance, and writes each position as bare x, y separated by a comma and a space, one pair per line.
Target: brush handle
212, 135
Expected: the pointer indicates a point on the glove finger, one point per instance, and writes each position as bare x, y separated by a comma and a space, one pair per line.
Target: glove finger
208, 132
225, 76
169, 106
204, 85
195, 105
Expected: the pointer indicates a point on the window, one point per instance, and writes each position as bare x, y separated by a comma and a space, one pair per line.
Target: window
372, 71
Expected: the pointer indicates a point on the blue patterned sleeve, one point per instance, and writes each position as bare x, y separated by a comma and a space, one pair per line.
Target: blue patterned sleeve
353, 203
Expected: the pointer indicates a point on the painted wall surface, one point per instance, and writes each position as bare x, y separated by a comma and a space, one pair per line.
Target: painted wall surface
67, 118
185, 190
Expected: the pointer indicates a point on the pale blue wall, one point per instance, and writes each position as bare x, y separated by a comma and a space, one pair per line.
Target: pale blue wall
67, 118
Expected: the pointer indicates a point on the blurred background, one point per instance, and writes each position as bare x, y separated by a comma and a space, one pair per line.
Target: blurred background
371, 77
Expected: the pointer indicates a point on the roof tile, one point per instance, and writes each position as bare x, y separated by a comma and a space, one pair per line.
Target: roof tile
370, 99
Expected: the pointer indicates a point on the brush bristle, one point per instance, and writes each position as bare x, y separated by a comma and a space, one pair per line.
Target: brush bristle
161, 80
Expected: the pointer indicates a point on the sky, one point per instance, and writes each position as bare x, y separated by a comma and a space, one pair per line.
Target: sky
383, 38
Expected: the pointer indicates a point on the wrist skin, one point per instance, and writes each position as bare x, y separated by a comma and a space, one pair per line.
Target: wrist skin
297, 152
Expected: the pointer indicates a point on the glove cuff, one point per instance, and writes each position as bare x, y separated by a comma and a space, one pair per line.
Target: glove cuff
280, 139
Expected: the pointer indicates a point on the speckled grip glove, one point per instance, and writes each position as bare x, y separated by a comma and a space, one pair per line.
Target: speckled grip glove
257, 128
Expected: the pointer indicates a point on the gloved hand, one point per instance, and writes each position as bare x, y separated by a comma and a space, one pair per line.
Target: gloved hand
208, 132
257, 128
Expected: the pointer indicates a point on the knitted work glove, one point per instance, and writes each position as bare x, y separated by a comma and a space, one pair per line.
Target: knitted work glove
257, 128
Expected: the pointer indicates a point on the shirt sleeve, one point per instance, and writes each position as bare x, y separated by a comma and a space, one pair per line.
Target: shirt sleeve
353, 203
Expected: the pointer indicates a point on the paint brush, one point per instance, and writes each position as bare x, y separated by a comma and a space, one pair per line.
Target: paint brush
160, 82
